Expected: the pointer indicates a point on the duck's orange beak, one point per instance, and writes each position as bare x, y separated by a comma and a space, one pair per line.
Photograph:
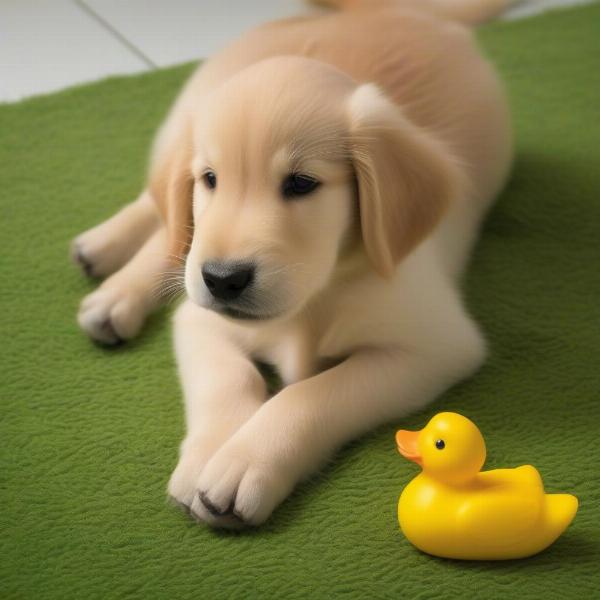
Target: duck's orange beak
406, 442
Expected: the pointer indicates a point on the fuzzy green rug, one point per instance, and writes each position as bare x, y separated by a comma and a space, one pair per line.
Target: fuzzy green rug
89, 436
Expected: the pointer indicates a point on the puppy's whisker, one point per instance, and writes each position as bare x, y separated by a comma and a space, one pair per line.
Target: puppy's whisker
168, 293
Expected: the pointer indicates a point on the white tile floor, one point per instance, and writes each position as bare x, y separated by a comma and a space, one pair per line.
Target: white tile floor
46, 45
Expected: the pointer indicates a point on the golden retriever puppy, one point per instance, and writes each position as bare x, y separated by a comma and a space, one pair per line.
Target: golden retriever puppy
326, 177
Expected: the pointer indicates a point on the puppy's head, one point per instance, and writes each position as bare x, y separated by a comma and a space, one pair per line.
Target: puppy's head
289, 168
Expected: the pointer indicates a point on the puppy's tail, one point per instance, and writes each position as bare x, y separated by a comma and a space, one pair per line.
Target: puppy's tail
468, 12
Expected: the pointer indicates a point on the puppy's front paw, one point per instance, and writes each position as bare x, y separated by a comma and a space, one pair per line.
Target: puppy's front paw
111, 315
195, 452
238, 487
96, 253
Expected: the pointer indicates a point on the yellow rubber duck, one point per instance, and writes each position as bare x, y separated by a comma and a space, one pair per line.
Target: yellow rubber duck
453, 510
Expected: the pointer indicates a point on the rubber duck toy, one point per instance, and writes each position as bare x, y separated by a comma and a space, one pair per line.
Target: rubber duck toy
453, 510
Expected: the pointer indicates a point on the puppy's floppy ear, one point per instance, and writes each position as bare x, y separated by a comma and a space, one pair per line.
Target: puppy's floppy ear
406, 178
172, 186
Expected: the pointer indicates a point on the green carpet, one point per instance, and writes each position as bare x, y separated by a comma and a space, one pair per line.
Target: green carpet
89, 436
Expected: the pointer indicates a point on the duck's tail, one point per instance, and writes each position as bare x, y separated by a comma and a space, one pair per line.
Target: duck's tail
560, 511
468, 12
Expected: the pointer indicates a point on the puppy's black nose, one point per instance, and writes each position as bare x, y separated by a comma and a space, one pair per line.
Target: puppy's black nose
227, 280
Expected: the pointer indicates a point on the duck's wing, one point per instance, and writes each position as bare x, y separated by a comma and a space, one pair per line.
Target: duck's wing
500, 519
525, 475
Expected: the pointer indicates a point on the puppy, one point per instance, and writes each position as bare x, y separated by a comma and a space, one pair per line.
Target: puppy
323, 179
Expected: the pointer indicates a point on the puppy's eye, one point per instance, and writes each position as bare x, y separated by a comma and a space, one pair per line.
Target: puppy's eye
440, 444
210, 179
296, 184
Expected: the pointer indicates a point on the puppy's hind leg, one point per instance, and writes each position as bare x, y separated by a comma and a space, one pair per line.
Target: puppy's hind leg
105, 248
117, 310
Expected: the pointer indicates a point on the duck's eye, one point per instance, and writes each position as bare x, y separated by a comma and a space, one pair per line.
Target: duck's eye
296, 184
210, 179
440, 444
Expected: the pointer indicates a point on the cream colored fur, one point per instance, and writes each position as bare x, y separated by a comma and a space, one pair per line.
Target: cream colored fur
390, 105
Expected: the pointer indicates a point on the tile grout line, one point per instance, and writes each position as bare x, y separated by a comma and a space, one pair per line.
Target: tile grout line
115, 33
